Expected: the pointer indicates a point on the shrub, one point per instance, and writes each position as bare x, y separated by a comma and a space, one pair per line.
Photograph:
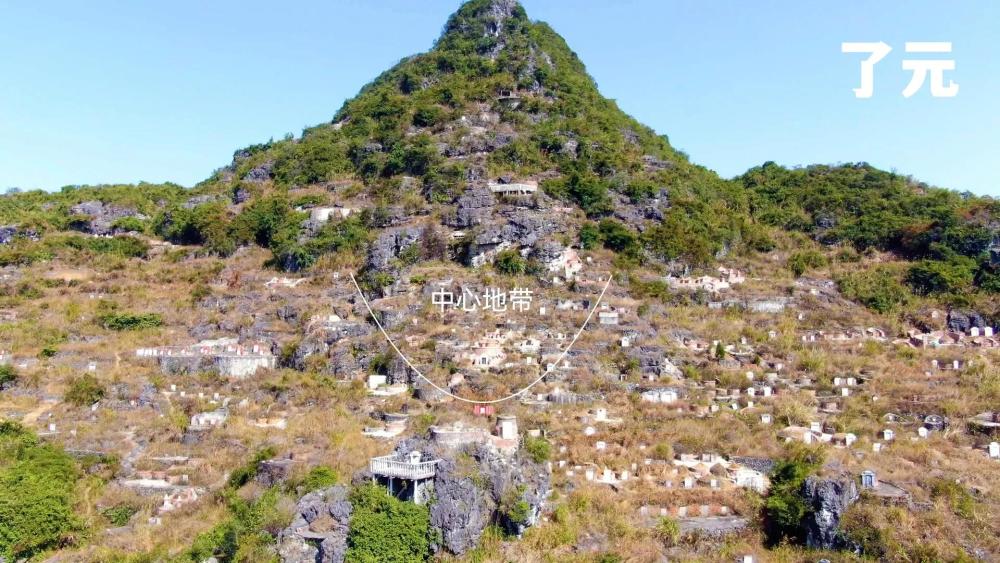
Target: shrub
319, 477
84, 390
133, 224
936, 277
590, 193
667, 530
7, 375
130, 321
958, 497
519, 513
619, 238
124, 246
590, 236
663, 451
538, 449
510, 263
386, 529
247, 535
428, 116
349, 235
270, 222
803, 261
682, 236
245, 473
36, 495
207, 224
878, 289
120, 514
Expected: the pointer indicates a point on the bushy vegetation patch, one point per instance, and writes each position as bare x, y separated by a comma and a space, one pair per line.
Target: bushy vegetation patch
84, 390
386, 529
785, 509
36, 495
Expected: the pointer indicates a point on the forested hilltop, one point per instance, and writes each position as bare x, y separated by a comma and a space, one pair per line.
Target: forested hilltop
500, 95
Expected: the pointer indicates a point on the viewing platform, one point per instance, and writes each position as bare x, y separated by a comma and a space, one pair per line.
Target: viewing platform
411, 468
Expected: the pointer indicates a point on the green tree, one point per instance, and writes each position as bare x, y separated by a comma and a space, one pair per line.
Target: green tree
619, 238
878, 289
785, 508
385, 529
36, 495
590, 236
954, 275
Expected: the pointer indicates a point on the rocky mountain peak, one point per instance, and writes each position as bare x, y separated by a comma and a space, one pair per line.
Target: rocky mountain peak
490, 24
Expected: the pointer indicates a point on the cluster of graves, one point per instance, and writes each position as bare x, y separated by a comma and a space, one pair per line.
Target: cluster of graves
227, 356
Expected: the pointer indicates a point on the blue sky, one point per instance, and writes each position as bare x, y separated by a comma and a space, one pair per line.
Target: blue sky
101, 91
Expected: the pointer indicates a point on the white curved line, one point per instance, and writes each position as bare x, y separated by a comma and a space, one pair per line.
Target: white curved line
473, 401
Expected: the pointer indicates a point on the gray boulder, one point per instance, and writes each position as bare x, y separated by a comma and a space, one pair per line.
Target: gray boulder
523, 227
323, 339
240, 195
273, 472
318, 532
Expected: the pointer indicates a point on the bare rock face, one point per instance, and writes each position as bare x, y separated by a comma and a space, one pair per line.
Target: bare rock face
322, 340
464, 506
829, 499
523, 227
101, 217
962, 321
8, 233
391, 315
260, 173
473, 208
547, 251
240, 195
197, 200
273, 472
388, 246
653, 361
318, 532
179, 365
495, 16
342, 362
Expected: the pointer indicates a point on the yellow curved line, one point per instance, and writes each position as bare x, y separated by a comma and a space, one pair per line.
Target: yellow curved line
481, 402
